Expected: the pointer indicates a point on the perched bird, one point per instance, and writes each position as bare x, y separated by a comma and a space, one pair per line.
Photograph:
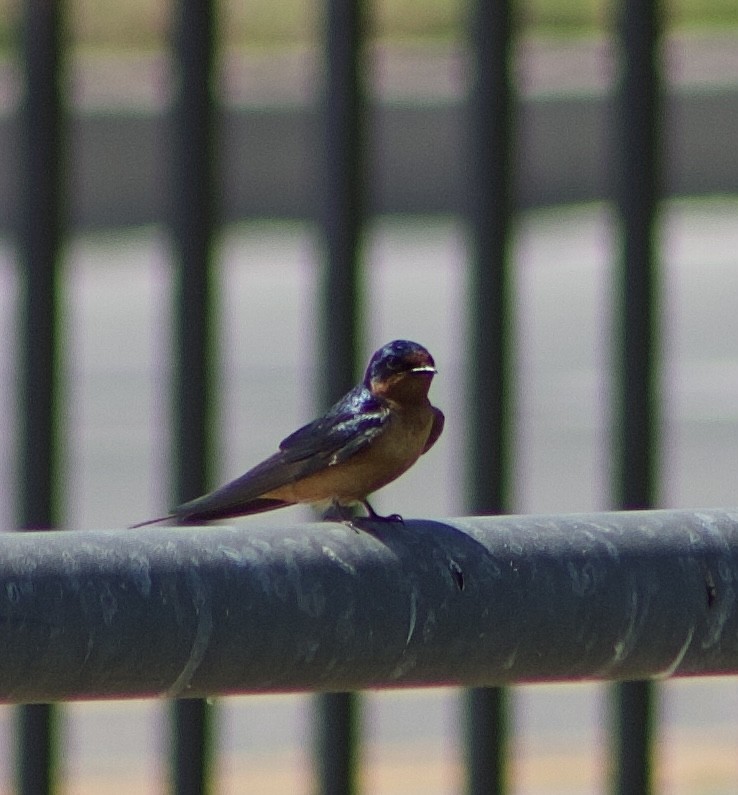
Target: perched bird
372, 435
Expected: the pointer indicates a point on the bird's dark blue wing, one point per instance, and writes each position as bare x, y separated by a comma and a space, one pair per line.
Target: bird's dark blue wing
347, 428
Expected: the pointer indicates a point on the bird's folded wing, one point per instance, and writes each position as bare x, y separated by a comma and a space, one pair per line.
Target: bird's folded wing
316, 446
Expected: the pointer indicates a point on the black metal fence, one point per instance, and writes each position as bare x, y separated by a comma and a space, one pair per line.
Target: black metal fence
492, 124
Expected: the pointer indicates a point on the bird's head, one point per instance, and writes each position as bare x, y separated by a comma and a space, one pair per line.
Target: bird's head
400, 370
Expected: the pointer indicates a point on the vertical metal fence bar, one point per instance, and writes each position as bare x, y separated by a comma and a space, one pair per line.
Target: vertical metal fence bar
40, 233
41, 133
336, 743
344, 194
490, 176
344, 206
486, 742
639, 109
193, 223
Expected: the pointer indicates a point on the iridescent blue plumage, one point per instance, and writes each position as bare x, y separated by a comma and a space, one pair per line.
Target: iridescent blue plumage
368, 438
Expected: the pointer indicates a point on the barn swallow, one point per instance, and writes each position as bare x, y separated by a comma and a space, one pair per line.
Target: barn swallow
372, 435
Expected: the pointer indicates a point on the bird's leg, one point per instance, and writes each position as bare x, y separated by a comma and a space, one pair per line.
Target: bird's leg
341, 513
374, 516
345, 514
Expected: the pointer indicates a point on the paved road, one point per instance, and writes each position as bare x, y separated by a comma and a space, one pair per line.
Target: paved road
116, 316
270, 129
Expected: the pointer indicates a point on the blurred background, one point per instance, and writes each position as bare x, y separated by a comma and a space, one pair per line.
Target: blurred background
268, 251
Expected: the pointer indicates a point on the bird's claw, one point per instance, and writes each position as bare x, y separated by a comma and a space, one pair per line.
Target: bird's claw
363, 524
345, 515
393, 517
375, 517
353, 524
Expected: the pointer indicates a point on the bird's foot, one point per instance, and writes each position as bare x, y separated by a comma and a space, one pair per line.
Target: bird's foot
338, 512
393, 518
342, 513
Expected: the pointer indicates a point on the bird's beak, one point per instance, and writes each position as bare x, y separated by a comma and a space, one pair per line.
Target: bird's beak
424, 368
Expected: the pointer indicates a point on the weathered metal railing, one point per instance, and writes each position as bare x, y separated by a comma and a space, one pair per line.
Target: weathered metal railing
480, 601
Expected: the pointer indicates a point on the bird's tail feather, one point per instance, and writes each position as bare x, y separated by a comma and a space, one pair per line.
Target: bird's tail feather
259, 505
215, 513
150, 521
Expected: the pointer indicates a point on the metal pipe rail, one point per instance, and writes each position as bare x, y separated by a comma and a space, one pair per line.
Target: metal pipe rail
480, 601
